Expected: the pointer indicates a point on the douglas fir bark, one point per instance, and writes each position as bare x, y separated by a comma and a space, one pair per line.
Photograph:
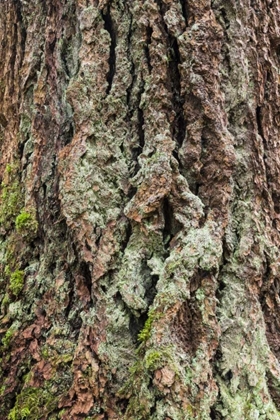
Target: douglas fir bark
139, 209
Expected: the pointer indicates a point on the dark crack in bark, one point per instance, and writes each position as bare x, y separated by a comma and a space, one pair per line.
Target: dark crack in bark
110, 28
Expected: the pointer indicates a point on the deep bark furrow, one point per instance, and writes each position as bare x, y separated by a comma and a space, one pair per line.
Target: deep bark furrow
140, 128
132, 68
184, 10
178, 101
149, 32
22, 40
109, 26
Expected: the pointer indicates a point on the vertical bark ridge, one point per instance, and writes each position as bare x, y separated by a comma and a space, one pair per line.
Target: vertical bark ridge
139, 207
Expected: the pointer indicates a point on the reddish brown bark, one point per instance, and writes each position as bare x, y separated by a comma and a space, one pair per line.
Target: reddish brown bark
139, 237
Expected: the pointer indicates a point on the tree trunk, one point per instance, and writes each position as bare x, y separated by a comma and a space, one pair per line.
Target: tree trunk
139, 209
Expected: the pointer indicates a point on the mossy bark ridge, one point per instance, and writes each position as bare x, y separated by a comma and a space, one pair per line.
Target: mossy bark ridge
139, 209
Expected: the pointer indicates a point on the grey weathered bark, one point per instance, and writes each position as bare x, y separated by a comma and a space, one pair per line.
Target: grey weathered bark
139, 212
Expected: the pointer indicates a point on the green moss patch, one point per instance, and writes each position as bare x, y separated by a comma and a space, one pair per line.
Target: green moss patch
26, 224
16, 282
33, 404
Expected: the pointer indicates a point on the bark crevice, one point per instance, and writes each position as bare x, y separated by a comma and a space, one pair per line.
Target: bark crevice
109, 26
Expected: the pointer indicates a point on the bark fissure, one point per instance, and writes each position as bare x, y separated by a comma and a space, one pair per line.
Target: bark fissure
179, 125
13, 55
264, 142
132, 68
140, 129
109, 26
130, 88
149, 31
184, 10
174, 80
23, 35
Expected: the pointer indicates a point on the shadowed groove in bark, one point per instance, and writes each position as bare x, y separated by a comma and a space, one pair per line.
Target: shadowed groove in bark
86, 274
136, 324
3, 121
140, 129
174, 80
141, 120
64, 58
109, 27
179, 128
129, 89
264, 141
67, 132
259, 122
168, 231
149, 32
225, 18
13, 55
22, 32
184, 10
132, 70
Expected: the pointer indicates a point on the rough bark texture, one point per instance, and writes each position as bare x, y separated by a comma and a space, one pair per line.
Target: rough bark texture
139, 209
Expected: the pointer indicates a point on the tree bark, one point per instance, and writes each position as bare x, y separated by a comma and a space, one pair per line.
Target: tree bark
139, 209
